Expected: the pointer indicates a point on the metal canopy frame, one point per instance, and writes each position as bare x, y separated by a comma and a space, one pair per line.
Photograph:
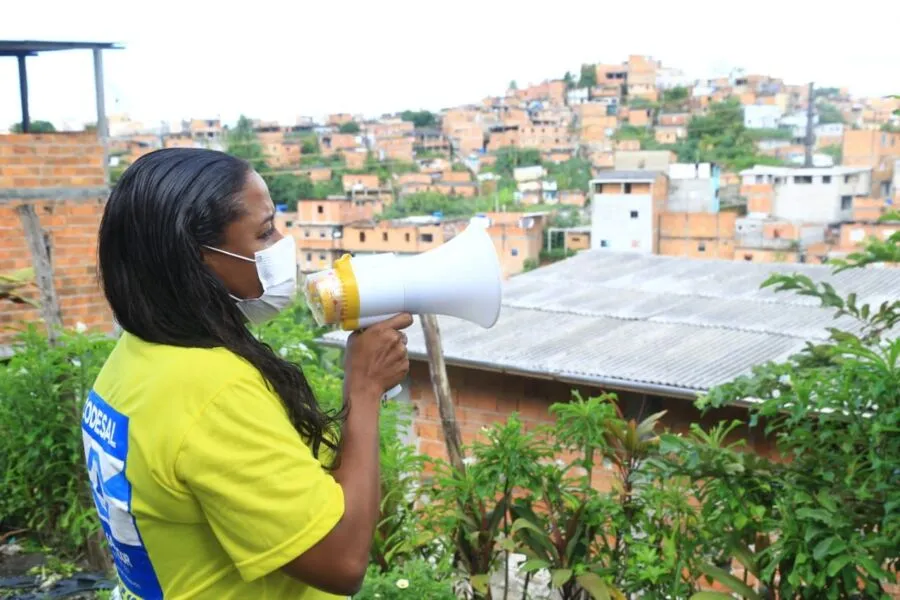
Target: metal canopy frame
23, 49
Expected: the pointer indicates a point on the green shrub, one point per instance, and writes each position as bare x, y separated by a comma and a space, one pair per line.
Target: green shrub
413, 580
42, 391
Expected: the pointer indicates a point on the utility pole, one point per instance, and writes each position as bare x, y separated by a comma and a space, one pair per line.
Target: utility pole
810, 129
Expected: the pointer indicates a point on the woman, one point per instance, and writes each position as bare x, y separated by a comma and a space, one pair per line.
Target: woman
214, 471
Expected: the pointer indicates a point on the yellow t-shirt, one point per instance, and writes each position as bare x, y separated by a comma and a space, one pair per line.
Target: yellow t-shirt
203, 487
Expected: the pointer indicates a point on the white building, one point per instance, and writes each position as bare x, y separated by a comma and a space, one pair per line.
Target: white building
670, 77
578, 96
797, 123
693, 187
533, 173
761, 116
624, 209
812, 195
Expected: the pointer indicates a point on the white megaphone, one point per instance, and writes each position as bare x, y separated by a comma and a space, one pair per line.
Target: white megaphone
460, 278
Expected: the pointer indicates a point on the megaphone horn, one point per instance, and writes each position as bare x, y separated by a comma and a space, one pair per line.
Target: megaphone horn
461, 278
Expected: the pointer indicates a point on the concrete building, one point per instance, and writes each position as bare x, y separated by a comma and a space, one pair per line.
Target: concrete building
758, 116
878, 150
624, 210
643, 160
811, 195
694, 188
578, 96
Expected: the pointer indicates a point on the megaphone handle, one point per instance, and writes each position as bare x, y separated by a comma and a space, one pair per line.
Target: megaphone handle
391, 393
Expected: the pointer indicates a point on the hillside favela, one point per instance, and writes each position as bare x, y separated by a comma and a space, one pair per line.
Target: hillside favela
681, 380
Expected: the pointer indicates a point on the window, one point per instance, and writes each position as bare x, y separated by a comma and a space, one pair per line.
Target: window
406, 236
759, 179
322, 234
426, 237
321, 257
308, 256
604, 244
288, 223
748, 257
634, 214
362, 236
846, 202
857, 235
306, 233
515, 251
320, 209
826, 178
802, 178
846, 179
384, 236
627, 188
701, 247
575, 238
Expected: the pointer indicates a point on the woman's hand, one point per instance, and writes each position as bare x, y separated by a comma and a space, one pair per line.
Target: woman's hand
376, 358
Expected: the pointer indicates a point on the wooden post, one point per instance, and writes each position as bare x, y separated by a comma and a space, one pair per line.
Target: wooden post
442, 393
39, 246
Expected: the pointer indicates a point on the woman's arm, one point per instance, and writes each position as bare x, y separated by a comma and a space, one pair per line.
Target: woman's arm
376, 361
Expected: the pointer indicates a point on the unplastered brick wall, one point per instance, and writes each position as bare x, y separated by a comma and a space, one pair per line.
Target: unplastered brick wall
63, 177
482, 398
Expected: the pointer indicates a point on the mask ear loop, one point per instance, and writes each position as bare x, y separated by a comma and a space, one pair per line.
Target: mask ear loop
227, 253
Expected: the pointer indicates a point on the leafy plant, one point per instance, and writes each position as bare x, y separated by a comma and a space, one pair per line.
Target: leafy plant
833, 527
411, 580
469, 510
42, 392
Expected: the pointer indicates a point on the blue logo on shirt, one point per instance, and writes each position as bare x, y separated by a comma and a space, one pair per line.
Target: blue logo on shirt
104, 432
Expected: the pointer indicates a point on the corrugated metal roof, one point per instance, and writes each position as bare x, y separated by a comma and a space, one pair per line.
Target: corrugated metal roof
643, 322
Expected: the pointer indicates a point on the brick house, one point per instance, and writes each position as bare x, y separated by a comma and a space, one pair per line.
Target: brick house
63, 176
879, 150
403, 236
608, 334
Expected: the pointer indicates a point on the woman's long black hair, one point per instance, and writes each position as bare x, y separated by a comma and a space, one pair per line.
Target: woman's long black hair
166, 206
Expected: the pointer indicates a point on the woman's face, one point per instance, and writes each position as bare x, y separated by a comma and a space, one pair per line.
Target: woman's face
252, 232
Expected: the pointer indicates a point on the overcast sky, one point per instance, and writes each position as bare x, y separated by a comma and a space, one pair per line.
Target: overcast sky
278, 60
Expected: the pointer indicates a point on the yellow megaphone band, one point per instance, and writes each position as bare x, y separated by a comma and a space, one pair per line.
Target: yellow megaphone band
350, 312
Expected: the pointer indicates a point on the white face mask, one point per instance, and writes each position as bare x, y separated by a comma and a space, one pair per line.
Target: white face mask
277, 270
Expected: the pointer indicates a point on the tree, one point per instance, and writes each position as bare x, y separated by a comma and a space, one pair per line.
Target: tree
510, 157
573, 174
242, 142
513, 85
35, 127
675, 96
834, 151
419, 118
829, 113
569, 80
349, 127
309, 145
720, 136
588, 76
287, 189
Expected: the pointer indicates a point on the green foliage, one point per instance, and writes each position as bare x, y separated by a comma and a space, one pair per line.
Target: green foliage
419, 118
675, 97
642, 134
573, 174
530, 264
412, 580
720, 136
427, 203
42, 393
509, 158
34, 127
829, 113
513, 85
588, 76
242, 142
826, 92
569, 80
309, 144
828, 521
835, 151
349, 127
556, 254
639, 102
286, 188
